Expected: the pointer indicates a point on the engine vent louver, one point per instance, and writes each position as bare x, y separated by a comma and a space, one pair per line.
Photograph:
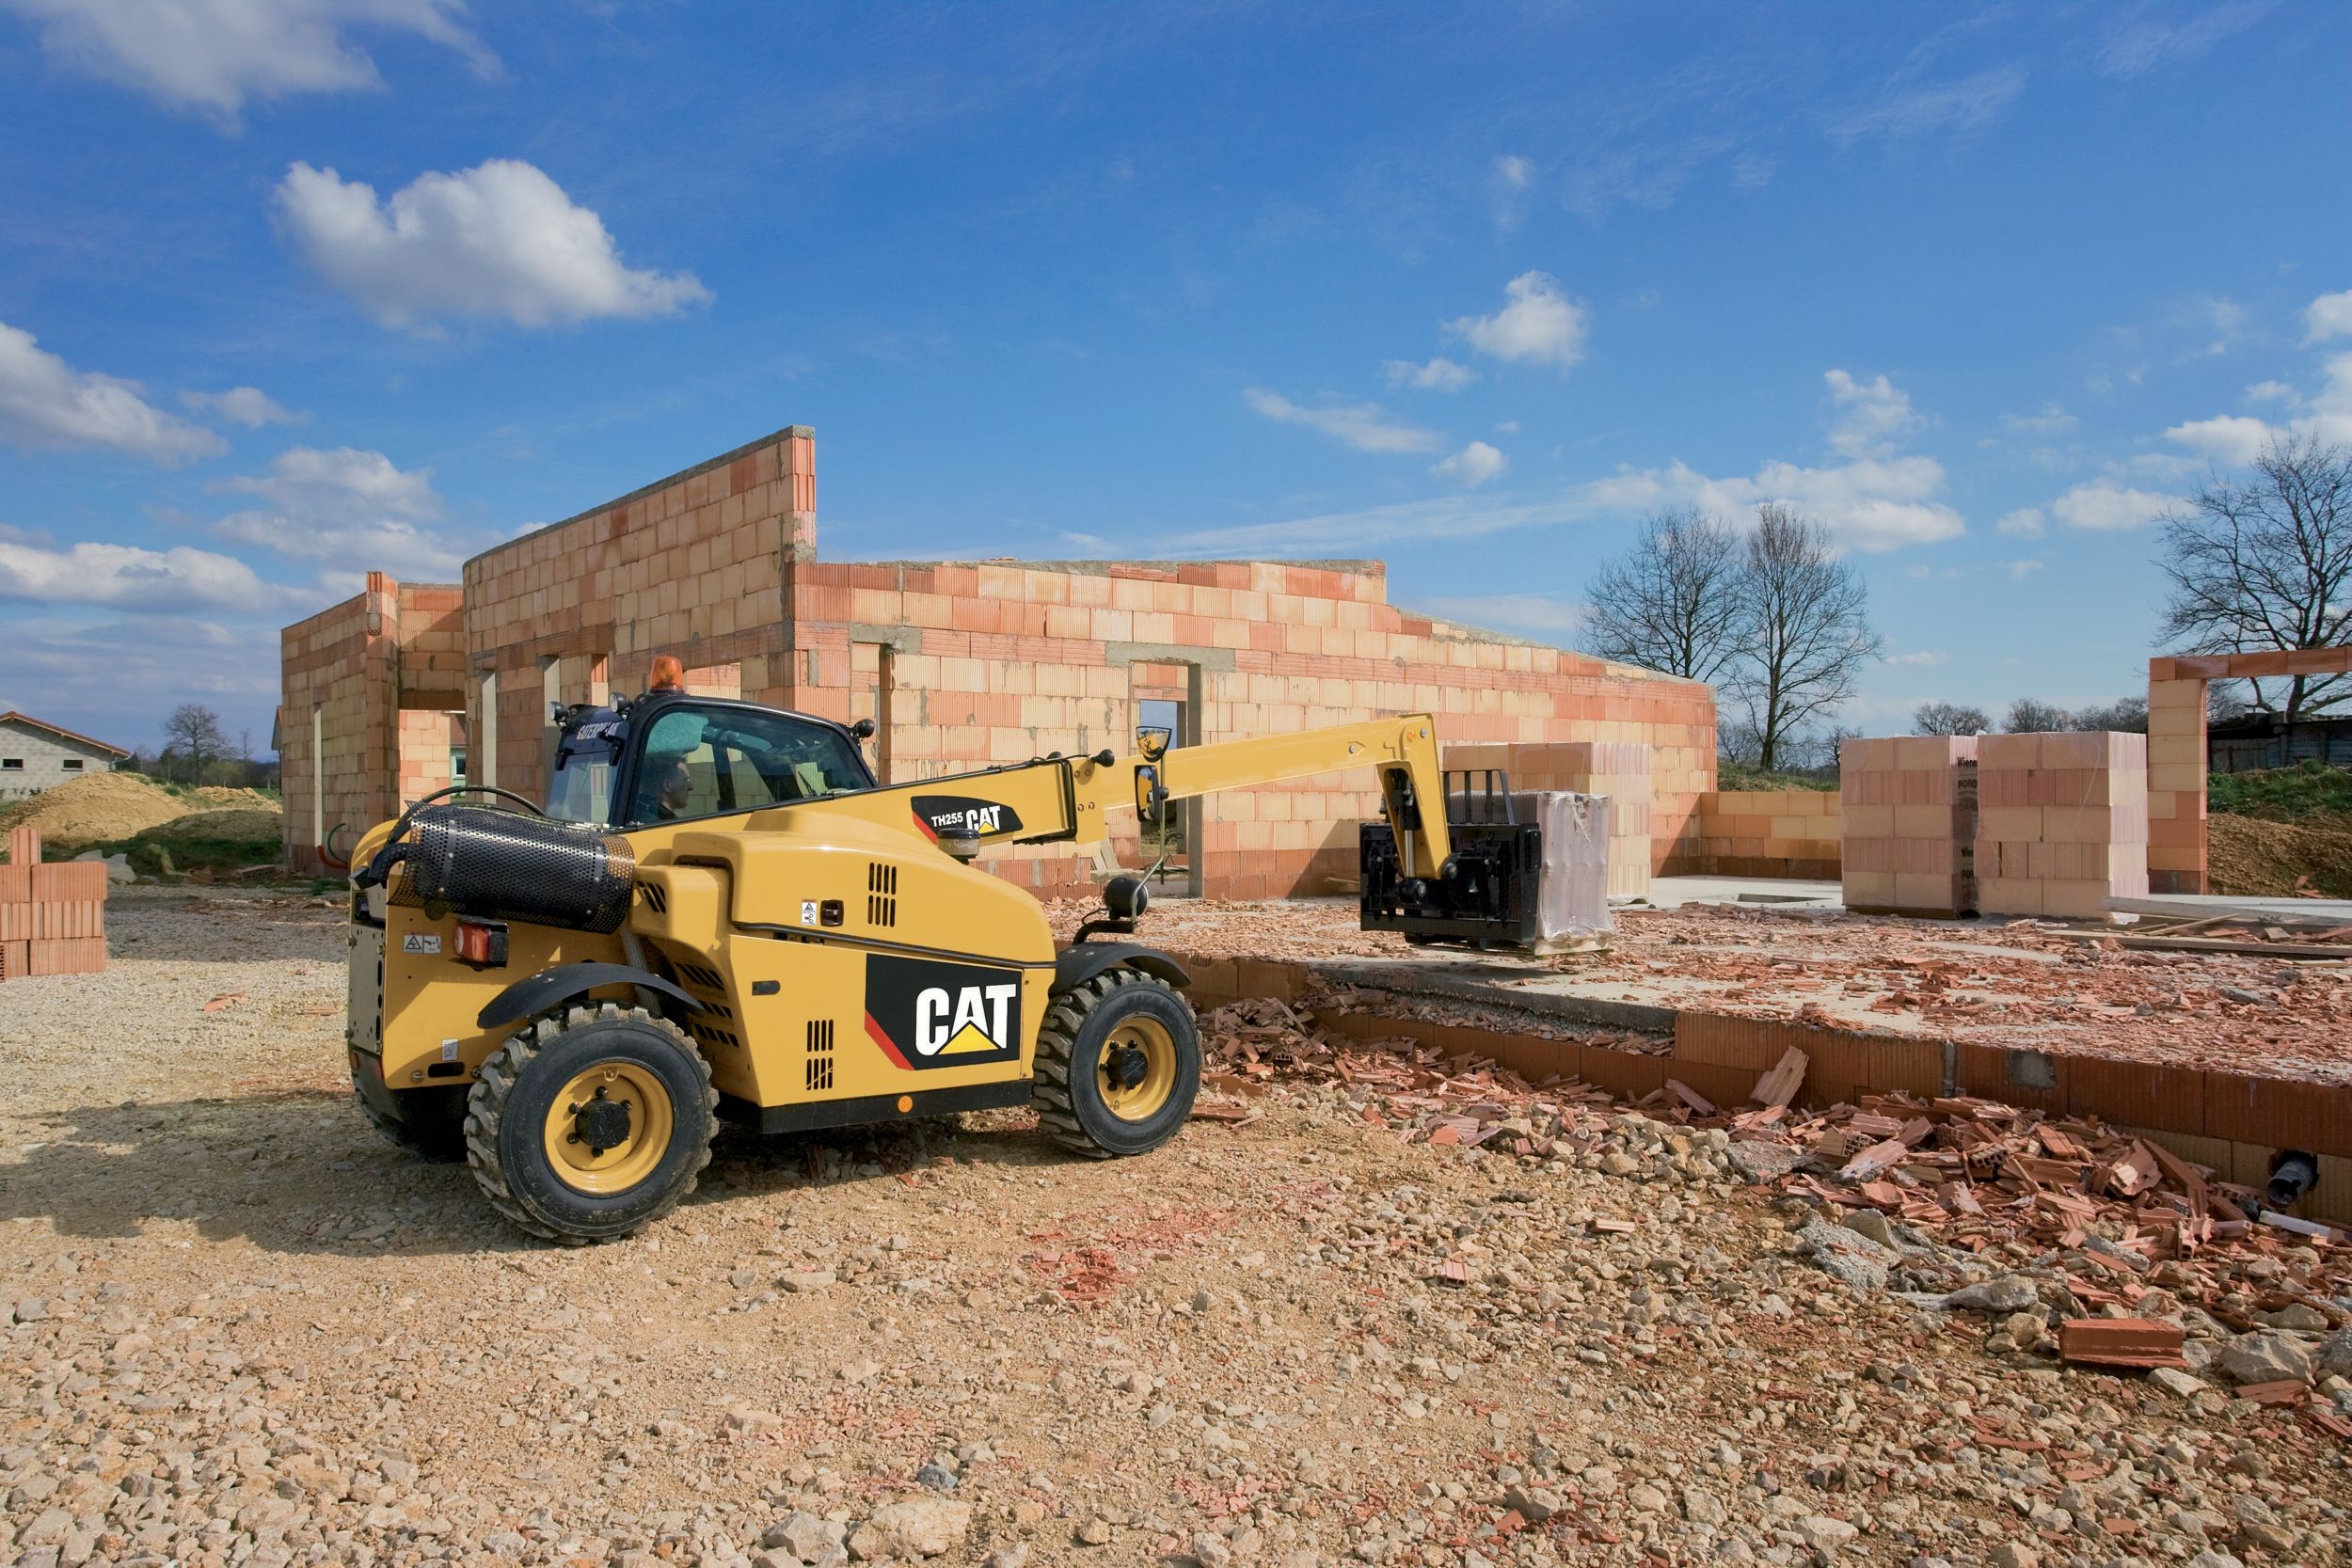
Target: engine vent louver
820, 1055
881, 895
655, 899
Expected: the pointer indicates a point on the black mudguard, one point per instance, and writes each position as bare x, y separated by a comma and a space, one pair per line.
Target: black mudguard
551, 988
1076, 965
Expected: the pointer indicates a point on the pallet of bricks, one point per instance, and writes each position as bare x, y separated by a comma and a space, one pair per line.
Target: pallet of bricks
2061, 822
1909, 808
1618, 768
52, 918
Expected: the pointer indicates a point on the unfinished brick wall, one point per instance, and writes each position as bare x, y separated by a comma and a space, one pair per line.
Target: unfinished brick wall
1909, 806
2177, 766
995, 662
1771, 832
363, 723
1617, 768
965, 664
2061, 822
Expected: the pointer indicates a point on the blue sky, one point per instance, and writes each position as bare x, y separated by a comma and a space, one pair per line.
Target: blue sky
290, 290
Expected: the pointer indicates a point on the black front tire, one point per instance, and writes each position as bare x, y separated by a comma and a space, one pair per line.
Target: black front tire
1068, 1090
515, 1096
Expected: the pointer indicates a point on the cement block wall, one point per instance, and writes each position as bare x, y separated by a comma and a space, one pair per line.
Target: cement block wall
965, 664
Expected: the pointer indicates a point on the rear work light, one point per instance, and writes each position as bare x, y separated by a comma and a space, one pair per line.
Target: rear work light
482, 944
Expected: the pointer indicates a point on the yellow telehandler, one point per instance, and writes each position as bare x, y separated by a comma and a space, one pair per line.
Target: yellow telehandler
718, 912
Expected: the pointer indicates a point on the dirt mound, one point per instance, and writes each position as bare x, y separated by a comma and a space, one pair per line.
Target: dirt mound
2254, 859
110, 808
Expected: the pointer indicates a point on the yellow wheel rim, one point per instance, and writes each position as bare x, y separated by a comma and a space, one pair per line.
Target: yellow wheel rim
608, 1127
1136, 1070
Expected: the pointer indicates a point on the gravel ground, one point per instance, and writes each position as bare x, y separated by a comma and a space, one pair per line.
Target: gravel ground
246, 1332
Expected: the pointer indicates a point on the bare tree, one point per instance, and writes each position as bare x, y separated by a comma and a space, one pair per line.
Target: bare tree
1806, 628
1672, 603
1948, 719
2031, 716
2125, 714
2267, 564
193, 738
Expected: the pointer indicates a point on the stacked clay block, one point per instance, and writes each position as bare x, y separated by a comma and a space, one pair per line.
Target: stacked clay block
1910, 808
1768, 832
52, 918
1619, 770
2061, 822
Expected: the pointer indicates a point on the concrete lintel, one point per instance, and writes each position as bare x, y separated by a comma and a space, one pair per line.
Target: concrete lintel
1219, 661
898, 640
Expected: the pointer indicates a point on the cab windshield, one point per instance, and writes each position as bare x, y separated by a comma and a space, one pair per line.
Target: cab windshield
710, 761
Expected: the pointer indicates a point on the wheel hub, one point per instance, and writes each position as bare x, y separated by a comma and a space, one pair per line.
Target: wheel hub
601, 1123
1126, 1068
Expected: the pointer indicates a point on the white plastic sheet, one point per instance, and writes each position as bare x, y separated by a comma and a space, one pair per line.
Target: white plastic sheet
1573, 896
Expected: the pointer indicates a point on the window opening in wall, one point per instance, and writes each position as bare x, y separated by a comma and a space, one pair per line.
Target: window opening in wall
72, 765
12, 765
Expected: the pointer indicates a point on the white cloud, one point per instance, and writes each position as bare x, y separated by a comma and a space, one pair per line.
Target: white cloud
1874, 417
344, 509
2273, 391
1537, 323
1365, 426
2051, 420
2148, 43
130, 577
2024, 523
1538, 613
1872, 504
46, 402
2020, 570
500, 239
212, 56
247, 405
1438, 375
1514, 171
1472, 466
2328, 316
1922, 660
1961, 105
2228, 438
2105, 506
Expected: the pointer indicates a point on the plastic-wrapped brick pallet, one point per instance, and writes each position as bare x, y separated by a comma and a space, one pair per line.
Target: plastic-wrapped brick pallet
1573, 897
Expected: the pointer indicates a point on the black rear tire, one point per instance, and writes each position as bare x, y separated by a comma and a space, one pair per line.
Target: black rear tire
519, 1110
1080, 1048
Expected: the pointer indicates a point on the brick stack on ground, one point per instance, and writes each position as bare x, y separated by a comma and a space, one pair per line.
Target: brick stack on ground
52, 918
2061, 822
1909, 807
1617, 768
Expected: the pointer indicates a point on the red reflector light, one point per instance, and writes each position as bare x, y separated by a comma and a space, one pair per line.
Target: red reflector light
481, 945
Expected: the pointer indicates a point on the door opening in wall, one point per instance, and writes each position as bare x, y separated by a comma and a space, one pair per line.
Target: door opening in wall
871, 680
1165, 701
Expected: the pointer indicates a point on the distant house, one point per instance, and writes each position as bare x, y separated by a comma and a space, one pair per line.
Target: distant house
36, 755
2260, 740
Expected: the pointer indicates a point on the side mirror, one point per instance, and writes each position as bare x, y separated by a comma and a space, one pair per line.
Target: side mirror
1151, 740
1151, 800
862, 729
